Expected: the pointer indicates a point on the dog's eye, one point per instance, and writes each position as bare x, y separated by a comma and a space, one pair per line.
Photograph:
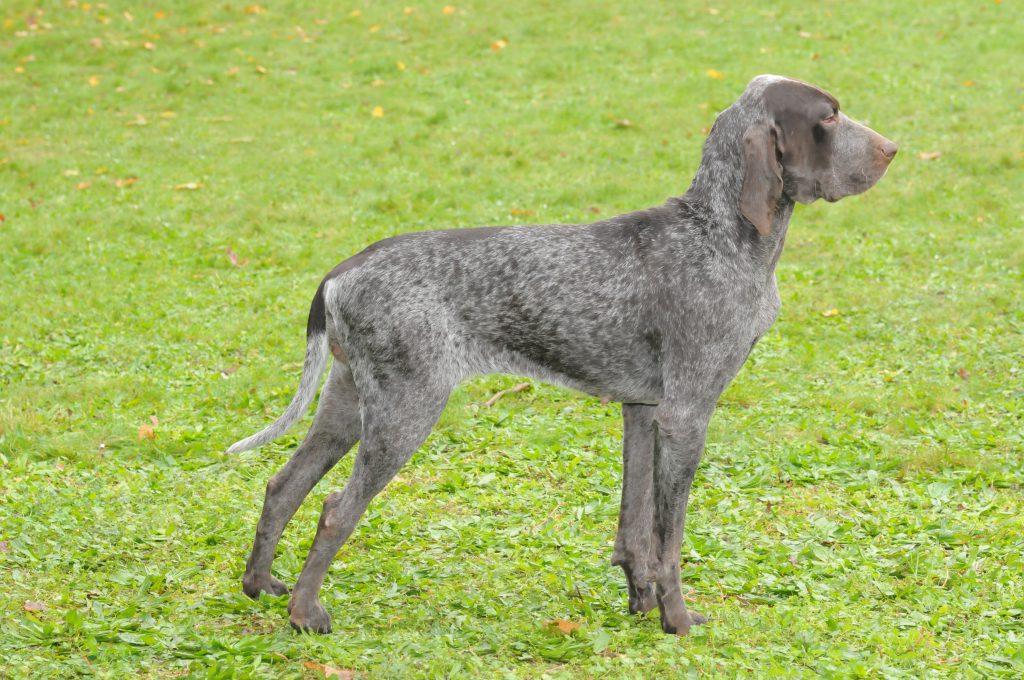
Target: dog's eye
831, 120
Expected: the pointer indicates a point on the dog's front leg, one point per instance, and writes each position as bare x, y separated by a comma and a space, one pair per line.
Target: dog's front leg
634, 543
681, 428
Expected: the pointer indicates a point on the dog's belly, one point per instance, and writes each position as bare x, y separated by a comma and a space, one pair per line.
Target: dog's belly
614, 376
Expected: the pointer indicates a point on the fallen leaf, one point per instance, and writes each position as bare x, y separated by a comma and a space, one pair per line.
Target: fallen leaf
623, 123
146, 432
400, 65
160, 14
929, 155
804, 34
33, 606
408, 10
168, 114
968, 83
962, 372
712, 73
330, 671
71, 172
96, 42
374, 28
520, 212
125, 182
449, 9
188, 186
378, 112
562, 626
154, 420
5, 547
83, 185
2, 218
830, 312
261, 70
254, 9
149, 46
499, 45
139, 120
94, 81
355, 13
233, 256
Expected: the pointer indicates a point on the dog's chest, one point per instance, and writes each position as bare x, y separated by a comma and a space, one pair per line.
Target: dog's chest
767, 310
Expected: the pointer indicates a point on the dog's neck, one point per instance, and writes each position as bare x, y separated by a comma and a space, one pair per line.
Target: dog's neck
715, 193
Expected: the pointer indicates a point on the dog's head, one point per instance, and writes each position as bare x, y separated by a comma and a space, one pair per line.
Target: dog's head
797, 142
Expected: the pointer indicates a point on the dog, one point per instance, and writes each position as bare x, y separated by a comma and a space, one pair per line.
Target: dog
657, 309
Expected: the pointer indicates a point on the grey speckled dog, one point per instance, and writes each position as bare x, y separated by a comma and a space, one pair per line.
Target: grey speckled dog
657, 309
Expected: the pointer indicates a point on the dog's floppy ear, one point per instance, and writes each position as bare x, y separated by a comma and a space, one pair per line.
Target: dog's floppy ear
762, 177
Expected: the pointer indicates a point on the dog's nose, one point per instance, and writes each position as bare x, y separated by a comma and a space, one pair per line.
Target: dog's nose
889, 149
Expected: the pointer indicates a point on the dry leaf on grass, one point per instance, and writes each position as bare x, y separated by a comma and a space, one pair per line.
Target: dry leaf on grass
830, 312
378, 112
929, 155
712, 73
33, 606
125, 182
562, 626
330, 671
188, 186
233, 256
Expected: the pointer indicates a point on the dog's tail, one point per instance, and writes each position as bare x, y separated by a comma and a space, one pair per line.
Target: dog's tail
312, 370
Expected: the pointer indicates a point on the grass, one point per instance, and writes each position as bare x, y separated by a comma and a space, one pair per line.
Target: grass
859, 510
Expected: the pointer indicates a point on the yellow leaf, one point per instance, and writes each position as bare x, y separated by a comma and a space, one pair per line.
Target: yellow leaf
125, 182
449, 9
562, 626
400, 65
146, 432
968, 83
149, 46
188, 186
330, 671
409, 10
830, 312
159, 14
929, 155
254, 9
355, 13
374, 28
94, 81
167, 114
499, 45
717, 75
261, 70
71, 172
19, 69
83, 185
378, 112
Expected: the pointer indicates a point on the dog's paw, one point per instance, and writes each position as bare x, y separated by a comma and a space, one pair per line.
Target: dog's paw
309, 617
678, 622
267, 584
643, 599
697, 619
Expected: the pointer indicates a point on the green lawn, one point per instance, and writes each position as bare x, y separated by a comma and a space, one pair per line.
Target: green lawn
176, 178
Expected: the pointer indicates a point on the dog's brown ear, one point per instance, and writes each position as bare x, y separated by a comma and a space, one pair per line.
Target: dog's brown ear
762, 177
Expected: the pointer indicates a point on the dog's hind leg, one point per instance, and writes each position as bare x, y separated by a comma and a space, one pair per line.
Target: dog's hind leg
334, 431
635, 549
394, 426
